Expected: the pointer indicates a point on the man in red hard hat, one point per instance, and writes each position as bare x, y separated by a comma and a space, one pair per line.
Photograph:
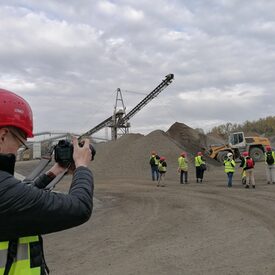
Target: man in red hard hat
183, 167
248, 166
26, 209
200, 166
154, 163
270, 166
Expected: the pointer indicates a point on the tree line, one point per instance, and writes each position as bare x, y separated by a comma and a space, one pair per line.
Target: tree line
262, 126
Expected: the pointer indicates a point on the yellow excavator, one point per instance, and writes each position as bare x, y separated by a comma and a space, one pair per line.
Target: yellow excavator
237, 144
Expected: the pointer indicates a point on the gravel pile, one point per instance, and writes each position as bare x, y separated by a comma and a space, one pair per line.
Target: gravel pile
191, 140
128, 157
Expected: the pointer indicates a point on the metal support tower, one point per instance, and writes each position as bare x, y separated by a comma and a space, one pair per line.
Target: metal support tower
119, 112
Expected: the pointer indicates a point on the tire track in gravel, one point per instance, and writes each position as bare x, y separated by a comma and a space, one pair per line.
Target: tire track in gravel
248, 205
253, 206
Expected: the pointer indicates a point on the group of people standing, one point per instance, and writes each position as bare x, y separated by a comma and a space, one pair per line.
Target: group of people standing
247, 165
183, 167
159, 166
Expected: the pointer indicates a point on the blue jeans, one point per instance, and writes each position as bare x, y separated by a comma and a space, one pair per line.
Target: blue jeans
230, 176
155, 171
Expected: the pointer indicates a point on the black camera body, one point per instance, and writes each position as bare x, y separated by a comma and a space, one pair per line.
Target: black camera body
63, 152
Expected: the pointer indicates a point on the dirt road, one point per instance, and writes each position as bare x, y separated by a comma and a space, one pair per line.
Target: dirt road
137, 228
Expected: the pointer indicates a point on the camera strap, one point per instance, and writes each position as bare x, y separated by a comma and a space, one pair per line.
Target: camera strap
43, 163
56, 180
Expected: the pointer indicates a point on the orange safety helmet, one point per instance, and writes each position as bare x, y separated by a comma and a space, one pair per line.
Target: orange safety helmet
268, 148
15, 111
245, 154
153, 153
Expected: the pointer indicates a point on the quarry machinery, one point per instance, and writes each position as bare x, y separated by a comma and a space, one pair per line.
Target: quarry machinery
237, 144
120, 120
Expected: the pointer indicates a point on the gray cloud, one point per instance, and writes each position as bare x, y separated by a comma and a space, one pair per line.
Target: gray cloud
67, 59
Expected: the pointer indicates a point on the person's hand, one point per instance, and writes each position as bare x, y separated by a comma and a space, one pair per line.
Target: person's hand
82, 155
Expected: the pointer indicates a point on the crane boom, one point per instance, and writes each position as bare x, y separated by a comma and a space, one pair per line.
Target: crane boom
122, 122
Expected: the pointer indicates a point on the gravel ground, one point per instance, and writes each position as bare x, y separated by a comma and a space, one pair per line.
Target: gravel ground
138, 228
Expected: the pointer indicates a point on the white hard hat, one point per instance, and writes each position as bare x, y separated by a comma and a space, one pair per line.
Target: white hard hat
229, 155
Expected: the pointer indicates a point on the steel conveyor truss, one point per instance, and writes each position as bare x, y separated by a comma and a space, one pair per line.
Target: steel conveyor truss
122, 122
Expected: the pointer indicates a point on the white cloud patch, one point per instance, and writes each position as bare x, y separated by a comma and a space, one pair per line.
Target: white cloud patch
107, 7
72, 56
11, 82
39, 29
238, 95
133, 14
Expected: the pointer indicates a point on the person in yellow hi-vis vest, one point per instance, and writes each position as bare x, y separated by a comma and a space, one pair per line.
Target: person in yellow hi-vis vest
26, 209
200, 166
162, 170
183, 167
154, 163
229, 168
270, 165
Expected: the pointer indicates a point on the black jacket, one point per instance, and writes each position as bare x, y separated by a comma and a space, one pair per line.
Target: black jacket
28, 210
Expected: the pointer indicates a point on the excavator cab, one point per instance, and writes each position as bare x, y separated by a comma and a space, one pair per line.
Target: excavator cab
237, 144
237, 140
254, 145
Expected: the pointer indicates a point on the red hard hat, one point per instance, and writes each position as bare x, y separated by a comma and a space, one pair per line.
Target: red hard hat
15, 111
268, 148
245, 154
183, 154
199, 153
162, 158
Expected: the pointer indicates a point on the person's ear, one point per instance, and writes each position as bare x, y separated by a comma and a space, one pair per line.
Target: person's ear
3, 133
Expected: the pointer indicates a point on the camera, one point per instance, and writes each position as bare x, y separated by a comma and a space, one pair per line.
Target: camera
63, 152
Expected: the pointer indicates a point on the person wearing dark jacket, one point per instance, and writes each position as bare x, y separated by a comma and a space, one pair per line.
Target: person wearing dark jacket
26, 209
154, 163
242, 166
270, 165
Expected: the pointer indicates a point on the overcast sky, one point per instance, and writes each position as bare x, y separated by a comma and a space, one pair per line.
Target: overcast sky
67, 58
